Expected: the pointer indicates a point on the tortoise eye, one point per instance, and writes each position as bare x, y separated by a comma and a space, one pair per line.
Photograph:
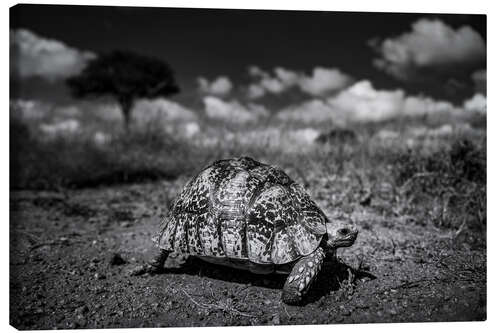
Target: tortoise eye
344, 231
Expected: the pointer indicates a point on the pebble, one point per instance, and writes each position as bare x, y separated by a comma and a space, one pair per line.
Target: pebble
116, 259
82, 309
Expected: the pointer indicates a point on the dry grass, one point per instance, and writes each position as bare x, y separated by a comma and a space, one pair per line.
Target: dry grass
433, 178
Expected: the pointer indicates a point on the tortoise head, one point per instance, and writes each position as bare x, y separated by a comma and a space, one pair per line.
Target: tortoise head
340, 233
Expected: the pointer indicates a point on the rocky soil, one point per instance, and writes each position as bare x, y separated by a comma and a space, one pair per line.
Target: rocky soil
71, 254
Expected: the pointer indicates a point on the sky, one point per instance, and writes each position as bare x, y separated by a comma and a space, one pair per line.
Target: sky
274, 58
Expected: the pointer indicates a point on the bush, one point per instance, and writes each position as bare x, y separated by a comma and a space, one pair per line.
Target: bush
447, 186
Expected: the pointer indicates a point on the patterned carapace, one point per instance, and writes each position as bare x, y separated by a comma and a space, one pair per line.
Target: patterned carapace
243, 209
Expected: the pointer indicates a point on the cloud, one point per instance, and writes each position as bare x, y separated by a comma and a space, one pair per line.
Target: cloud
256, 71
305, 135
266, 84
479, 78
273, 85
62, 128
419, 105
477, 103
32, 55
255, 91
430, 44
324, 80
361, 102
288, 77
321, 82
314, 111
29, 109
221, 86
160, 111
233, 111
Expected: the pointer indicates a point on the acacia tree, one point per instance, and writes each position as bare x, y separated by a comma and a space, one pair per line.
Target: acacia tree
126, 76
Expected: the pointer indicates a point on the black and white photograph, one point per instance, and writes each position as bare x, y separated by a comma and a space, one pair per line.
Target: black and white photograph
194, 167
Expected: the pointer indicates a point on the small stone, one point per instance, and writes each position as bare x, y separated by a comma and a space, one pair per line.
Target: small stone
116, 260
99, 276
345, 312
338, 319
82, 310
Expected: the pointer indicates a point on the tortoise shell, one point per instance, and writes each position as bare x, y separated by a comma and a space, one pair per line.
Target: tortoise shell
243, 209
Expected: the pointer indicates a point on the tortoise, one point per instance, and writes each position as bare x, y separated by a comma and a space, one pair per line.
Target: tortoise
248, 215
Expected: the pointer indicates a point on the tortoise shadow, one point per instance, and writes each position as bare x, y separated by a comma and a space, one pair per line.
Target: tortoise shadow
330, 278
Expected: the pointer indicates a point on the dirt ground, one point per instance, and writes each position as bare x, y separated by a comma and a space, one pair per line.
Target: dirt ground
71, 254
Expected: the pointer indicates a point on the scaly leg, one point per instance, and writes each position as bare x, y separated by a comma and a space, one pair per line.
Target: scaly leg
303, 274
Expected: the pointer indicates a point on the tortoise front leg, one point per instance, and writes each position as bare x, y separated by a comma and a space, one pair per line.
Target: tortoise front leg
303, 274
155, 265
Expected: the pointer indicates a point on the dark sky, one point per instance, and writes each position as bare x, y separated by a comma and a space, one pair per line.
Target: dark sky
225, 42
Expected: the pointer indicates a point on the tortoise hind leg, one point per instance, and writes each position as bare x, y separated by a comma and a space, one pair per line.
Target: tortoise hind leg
301, 277
154, 266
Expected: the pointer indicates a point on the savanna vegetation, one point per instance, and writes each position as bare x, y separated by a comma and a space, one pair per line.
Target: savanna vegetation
84, 206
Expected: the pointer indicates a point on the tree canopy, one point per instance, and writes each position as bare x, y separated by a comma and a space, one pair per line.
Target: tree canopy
126, 76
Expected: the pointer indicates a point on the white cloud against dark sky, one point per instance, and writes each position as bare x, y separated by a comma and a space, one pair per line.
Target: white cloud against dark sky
320, 82
233, 111
220, 86
33, 55
323, 72
362, 102
431, 44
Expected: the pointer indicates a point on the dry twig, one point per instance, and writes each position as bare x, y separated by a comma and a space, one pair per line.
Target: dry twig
226, 307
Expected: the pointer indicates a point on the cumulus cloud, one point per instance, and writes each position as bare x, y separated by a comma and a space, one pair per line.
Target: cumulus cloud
267, 83
288, 77
256, 71
324, 80
160, 111
32, 55
477, 103
306, 135
361, 102
321, 82
314, 111
233, 111
430, 44
26, 109
479, 78
220, 86
255, 91
62, 128
420, 105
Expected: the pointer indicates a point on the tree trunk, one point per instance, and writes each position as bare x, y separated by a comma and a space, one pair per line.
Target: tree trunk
126, 105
